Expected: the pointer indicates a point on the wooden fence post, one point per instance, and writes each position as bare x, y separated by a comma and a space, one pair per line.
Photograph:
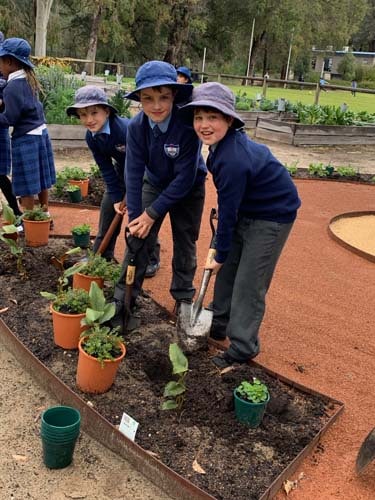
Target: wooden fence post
264, 90
317, 93
92, 68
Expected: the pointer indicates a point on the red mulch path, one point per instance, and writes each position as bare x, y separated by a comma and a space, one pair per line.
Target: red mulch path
318, 329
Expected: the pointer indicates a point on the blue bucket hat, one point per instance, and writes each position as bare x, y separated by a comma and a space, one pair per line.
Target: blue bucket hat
18, 48
89, 95
157, 74
186, 72
212, 95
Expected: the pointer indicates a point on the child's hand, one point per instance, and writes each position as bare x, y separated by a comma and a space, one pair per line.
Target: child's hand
119, 208
214, 266
140, 227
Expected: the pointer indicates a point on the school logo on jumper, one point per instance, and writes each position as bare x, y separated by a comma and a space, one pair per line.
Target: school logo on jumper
172, 150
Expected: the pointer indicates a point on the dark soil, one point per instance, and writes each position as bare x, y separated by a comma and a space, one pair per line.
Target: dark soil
240, 463
95, 195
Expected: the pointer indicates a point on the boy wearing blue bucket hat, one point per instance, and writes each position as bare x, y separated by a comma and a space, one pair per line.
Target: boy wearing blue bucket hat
184, 75
257, 206
33, 169
165, 174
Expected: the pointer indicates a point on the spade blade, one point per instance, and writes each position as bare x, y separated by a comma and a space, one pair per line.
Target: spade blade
366, 452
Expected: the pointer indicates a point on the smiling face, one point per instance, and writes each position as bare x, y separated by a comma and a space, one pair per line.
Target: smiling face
93, 117
211, 125
157, 102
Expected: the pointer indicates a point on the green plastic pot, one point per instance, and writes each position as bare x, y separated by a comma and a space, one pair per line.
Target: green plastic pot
75, 196
249, 413
81, 240
59, 432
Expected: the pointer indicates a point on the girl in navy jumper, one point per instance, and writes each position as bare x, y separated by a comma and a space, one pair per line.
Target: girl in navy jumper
257, 205
5, 160
33, 170
164, 174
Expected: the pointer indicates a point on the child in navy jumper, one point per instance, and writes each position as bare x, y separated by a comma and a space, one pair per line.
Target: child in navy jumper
165, 174
5, 160
257, 205
33, 169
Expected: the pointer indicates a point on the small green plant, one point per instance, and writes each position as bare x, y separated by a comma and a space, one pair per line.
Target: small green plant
63, 280
347, 171
175, 389
97, 265
121, 104
292, 168
75, 173
69, 301
36, 214
317, 169
100, 340
60, 185
372, 180
81, 229
72, 188
255, 392
9, 236
95, 171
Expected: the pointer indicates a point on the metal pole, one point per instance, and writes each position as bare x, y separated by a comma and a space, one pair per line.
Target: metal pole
250, 50
287, 64
203, 63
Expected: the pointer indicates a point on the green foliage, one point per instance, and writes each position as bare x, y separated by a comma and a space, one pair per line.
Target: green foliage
346, 171
97, 265
330, 115
100, 341
69, 301
267, 105
57, 94
292, 168
9, 236
122, 105
317, 169
65, 274
175, 389
72, 188
61, 184
346, 66
36, 214
75, 173
95, 171
255, 392
81, 229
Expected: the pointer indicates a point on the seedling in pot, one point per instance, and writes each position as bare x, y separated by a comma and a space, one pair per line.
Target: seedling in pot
101, 341
75, 173
175, 390
255, 392
81, 229
69, 301
72, 188
36, 214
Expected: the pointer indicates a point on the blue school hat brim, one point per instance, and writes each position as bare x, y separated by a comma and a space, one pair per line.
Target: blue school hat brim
159, 74
215, 96
89, 95
18, 48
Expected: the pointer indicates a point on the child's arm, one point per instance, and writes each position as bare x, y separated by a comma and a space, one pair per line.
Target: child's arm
14, 105
134, 171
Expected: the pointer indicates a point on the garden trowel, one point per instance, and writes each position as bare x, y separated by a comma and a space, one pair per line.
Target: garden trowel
366, 452
194, 321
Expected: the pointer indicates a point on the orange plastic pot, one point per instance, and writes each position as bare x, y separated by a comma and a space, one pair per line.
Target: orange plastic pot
93, 377
83, 185
67, 329
36, 232
84, 281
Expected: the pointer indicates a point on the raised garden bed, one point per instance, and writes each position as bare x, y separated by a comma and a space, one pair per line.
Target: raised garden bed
67, 136
239, 463
251, 117
309, 135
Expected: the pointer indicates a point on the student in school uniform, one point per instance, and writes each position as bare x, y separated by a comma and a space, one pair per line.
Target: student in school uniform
257, 206
184, 75
165, 174
33, 168
5, 159
106, 139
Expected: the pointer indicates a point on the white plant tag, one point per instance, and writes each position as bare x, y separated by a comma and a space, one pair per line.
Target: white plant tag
128, 426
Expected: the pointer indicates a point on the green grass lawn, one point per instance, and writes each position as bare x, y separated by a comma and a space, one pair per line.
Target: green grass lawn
361, 102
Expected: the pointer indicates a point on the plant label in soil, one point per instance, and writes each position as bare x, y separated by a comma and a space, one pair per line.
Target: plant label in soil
128, 426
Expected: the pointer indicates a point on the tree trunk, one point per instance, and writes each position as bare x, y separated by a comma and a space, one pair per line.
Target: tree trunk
93, 42
178, 30
43, 9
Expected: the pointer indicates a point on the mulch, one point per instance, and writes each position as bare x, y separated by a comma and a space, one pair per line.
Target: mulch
318, 329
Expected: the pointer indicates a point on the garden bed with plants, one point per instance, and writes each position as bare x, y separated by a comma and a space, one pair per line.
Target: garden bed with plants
322, 171
201, 440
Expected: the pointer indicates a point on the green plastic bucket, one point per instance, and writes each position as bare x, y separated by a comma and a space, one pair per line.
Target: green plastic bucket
59, 432
249, 413
75, 196
81, 240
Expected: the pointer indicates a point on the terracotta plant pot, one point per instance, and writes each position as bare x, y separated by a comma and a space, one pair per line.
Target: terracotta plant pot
36, 232
84, 186
92, 377
67, 329
84, 281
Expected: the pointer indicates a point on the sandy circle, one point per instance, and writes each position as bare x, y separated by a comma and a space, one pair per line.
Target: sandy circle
358, 232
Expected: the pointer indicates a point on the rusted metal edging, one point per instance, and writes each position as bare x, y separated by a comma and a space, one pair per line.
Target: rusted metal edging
295, 464
101, 429
343, 243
